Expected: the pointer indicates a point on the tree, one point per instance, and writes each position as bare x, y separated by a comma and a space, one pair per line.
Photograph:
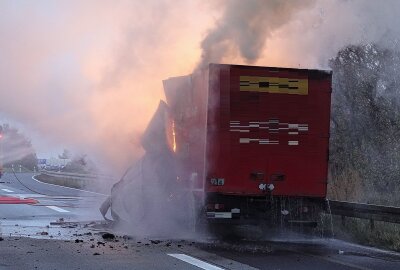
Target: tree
365, 124
80, 164
16, 148
65, 154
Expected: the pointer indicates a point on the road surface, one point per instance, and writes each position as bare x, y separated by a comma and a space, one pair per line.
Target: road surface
50, 227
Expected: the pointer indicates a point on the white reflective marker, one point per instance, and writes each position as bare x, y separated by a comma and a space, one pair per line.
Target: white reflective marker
58, 209
7, 190
195, 262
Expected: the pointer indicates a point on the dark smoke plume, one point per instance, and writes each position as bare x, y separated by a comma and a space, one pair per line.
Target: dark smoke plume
245, 26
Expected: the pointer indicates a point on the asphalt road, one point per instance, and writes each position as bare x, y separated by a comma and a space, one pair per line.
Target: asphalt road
31, 240
53, 201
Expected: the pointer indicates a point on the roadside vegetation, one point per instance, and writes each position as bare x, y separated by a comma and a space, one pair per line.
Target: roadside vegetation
365, 144
16, 149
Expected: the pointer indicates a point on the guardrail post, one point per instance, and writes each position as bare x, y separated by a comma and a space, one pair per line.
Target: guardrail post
372, 224
343, 221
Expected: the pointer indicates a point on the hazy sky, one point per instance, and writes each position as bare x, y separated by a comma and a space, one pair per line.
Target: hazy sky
87, 75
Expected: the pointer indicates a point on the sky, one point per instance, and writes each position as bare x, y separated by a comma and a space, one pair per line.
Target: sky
87, 75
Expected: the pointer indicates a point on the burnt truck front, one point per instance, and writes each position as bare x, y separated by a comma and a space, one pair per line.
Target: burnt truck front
252, 143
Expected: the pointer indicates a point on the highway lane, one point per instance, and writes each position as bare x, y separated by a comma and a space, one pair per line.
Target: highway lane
304, 253
23, 182
53, 203
92, 252
77, 207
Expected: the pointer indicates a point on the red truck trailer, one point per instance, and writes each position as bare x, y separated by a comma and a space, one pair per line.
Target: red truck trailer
252, 142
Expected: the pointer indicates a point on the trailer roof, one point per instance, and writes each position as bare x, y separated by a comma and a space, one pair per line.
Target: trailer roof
325, 71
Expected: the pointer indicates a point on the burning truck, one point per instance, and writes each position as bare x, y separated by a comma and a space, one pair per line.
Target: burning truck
233, 144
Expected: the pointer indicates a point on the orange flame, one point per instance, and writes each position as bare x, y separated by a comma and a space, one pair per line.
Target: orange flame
173, 137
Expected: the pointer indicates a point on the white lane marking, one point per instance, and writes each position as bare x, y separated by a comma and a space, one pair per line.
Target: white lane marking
58, 209
7, 190
195, 262
33, 177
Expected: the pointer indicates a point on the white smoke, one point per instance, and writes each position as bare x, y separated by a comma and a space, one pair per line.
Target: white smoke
297, 33
88, 75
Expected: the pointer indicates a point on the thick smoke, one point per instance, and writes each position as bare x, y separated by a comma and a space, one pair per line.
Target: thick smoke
297, 33
315, 35
245, 27
88, 75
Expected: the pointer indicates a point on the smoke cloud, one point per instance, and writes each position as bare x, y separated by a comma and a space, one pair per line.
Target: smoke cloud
245, 27
88, 75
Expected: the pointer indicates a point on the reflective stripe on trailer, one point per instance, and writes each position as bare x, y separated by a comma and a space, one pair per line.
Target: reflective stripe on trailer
219, 215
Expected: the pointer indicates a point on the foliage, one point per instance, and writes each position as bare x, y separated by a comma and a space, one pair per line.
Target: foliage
365, 124
65, 154
16, 149
384, 235
80, 164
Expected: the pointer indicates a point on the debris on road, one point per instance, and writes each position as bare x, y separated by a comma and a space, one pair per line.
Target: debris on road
127, 237
155, 241
108, 236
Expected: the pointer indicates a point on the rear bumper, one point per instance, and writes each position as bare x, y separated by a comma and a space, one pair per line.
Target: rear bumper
232, 214
303, 211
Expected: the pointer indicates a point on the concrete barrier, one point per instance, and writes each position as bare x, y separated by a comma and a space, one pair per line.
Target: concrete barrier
73, 180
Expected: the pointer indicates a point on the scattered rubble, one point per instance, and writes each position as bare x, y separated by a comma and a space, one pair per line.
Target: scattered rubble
108, 236
155, 241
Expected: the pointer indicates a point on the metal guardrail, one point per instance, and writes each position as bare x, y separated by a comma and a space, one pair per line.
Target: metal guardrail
365, 211
78, 176
73, 180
